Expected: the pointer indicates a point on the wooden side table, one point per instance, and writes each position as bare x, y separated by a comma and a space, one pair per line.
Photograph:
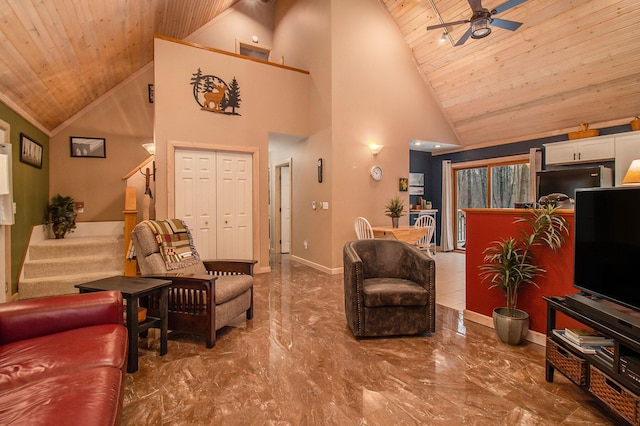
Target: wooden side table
132, 289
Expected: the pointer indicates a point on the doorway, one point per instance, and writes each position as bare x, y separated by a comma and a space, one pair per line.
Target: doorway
283, 207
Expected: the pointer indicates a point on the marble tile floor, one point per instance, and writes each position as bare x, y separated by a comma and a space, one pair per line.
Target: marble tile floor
450, 280
296, 363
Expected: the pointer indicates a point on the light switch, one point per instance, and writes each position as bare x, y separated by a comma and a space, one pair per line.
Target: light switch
325, 205
313, 205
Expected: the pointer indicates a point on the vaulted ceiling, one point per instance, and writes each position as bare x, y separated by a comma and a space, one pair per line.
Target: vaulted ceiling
58, 56
570, 61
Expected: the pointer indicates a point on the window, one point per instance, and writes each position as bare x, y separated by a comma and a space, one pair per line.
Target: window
253, 50
495, 183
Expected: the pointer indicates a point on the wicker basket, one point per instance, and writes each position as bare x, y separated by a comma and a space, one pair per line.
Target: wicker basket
584, 132
575, 368
615, 396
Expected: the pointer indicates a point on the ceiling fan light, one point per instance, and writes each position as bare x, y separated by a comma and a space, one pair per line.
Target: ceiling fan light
480, 28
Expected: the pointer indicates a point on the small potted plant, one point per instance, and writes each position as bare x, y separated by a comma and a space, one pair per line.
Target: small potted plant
61, 215
394, 209
510, 265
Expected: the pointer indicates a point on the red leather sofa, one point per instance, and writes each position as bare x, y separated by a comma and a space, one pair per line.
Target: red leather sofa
63, 360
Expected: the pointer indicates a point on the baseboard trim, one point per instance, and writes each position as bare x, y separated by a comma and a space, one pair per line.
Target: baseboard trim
322, 268
532, 336
262, 270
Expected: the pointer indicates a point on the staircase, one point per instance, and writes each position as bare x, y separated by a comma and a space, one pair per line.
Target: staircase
54, 267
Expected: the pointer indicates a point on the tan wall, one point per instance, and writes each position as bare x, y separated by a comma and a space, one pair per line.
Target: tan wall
302, 36
124, 117
240, 22
273, 100
365, 87
378, 95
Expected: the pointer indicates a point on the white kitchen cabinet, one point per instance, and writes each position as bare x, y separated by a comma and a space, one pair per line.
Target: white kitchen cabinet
627, 147
580, 151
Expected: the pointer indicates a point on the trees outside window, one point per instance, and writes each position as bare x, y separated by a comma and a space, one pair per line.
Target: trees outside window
496, 184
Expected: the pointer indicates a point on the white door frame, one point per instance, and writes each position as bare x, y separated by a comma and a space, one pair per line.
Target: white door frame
278, 202
172, 146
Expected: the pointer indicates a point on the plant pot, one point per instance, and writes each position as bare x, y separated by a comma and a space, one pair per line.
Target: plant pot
394, 222
56, 231
511, 329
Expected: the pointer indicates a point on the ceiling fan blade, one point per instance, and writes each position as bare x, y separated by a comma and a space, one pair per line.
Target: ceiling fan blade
475, 4
446, 24
507, 5
464, 37
505, 24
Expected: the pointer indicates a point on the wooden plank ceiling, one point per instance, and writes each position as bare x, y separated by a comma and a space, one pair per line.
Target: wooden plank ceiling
58, 56
570, 61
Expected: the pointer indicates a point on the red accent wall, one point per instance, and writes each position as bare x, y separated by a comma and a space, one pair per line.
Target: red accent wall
487, 225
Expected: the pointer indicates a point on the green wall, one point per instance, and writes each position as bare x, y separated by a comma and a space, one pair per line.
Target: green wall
30, 189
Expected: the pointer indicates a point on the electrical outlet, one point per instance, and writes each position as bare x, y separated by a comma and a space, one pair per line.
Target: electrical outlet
306, 246
79, 206
313, 205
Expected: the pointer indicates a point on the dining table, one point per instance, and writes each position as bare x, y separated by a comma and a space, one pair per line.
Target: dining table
408, 234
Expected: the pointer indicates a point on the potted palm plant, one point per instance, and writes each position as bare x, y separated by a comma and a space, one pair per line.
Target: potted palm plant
509, 264
394, 209
61, 215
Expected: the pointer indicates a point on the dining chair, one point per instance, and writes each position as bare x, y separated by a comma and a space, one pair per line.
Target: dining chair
426, 221
363, 229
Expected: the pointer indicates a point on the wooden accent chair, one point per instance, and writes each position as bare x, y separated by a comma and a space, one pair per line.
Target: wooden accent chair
389, 288
203, 297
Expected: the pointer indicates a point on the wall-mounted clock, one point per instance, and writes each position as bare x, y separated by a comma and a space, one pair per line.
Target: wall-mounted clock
376, 173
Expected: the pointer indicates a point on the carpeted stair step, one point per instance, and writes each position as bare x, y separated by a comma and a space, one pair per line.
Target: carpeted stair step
72, 265
71, 247
53, 286
54, 267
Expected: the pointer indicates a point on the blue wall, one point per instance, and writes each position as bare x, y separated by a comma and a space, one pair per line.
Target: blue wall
433, 166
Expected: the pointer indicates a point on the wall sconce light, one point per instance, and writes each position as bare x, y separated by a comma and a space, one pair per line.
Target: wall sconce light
375, 148
150, 147
633, 174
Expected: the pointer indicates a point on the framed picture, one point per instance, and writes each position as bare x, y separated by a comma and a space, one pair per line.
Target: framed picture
403, 185
30, 151
416, 190
88, 147
416, 179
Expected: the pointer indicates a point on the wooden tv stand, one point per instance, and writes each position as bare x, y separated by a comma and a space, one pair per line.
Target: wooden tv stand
615, 382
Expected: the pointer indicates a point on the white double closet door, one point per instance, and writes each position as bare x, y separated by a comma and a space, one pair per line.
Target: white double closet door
213, 195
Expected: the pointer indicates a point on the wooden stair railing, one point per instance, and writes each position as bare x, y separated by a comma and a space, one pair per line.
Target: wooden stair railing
130, 221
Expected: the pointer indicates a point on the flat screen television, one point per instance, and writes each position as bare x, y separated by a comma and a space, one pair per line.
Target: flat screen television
607, 244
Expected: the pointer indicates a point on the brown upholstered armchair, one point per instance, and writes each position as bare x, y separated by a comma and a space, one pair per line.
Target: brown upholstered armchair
389, 288
203, 297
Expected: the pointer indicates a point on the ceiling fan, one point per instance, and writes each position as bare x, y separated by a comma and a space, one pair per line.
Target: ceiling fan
482, 18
